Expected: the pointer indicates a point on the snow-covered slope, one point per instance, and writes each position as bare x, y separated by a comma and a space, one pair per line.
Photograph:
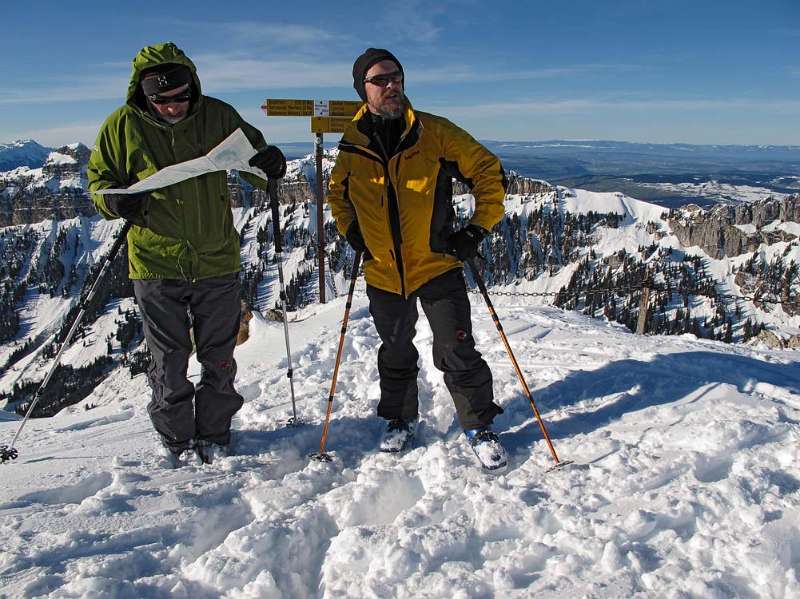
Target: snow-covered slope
686, 480
62, 169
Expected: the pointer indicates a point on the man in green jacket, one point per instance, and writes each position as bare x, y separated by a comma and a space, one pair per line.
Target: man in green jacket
183, 250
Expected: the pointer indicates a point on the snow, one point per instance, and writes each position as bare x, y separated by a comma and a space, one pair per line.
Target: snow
60, 159
305, 169
582, 201
686, 481
748, 229
790, 227
41, 315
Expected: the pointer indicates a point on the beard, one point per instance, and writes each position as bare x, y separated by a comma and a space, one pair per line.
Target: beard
391, 113
165, 118
172, 120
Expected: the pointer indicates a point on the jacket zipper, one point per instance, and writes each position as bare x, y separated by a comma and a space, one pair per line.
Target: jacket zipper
186, 224
394, 218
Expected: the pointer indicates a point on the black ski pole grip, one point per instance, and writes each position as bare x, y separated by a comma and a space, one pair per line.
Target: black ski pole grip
272, 189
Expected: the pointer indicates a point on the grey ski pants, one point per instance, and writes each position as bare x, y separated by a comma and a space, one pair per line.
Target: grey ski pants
215, 308
466, 374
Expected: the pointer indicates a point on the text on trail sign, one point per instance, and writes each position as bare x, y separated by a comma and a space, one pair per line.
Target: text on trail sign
288, 107
338, 108
329, 124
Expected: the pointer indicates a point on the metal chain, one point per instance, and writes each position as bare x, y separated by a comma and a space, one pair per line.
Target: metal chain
629, 289
794, 303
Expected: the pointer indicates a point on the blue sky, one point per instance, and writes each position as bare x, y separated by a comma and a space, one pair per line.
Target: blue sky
700, 71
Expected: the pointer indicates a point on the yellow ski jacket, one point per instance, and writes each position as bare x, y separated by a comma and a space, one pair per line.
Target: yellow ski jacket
403, 201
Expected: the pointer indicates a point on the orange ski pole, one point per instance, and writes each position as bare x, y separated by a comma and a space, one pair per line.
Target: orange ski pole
482, 286
322, 456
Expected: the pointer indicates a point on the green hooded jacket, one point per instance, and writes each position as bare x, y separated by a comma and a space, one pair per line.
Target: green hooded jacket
189, 233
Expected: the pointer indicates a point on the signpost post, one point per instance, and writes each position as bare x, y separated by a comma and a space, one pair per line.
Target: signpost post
327, 116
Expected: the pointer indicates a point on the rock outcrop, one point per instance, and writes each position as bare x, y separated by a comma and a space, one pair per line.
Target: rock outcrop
733, 230
517, 185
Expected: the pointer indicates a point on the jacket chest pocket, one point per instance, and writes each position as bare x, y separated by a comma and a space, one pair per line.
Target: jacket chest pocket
416, 174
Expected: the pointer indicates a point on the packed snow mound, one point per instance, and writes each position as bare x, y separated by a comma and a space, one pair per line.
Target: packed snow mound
57, 158
686, 479
581, 201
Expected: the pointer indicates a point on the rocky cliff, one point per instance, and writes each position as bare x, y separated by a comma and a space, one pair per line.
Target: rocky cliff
516, 185
734, 230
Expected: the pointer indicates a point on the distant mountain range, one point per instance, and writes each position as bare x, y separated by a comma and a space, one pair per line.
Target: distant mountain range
666, 174
558, 158
23, 152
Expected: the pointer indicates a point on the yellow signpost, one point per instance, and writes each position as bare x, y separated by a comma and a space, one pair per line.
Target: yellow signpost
275, 107
329, 124
347, 108
327, 116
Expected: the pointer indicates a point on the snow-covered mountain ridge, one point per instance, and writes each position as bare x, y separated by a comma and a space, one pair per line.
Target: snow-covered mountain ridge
55, 190
23, 152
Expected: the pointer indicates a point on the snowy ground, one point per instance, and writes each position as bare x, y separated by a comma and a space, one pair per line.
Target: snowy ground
686, 480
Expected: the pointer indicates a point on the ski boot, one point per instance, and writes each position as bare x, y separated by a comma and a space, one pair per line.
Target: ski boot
398, 435
487, 448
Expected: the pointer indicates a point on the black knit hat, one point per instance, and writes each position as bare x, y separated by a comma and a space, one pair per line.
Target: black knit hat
165, 77
363, 63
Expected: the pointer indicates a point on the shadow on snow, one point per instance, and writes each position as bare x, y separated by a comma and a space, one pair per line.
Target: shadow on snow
632, 385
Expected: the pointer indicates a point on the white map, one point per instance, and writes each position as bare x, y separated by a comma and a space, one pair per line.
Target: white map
232, 154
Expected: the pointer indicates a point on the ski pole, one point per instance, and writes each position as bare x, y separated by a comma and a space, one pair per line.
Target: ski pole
482, 286
322, 456
9, 452
272, 189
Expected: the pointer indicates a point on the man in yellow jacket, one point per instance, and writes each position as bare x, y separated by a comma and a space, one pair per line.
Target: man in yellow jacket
391, 196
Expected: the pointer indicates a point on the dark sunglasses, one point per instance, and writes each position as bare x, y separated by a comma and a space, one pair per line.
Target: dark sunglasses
385, 80
159, 99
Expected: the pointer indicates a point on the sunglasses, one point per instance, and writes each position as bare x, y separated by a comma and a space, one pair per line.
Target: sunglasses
385, 80
159, 99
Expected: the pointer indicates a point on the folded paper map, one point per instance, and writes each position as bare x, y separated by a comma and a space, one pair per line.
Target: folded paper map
231, 154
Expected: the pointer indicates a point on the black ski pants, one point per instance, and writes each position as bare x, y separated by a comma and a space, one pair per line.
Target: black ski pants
181, 411
466, 374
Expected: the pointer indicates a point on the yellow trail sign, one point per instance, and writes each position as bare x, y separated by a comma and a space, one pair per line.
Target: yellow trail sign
276, 107
322, 108
346, 108
329, 124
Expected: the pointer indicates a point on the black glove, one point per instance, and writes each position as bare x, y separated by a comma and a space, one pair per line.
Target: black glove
354, 237
270, 160
132, 207
465, 242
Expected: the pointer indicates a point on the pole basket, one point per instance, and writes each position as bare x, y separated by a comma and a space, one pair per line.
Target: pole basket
321, 457
7, 454
559, 466
292, 421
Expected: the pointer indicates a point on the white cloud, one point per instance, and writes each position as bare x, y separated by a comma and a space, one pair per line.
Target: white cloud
587, 105
79, 90
465, 73
219, 72
84, 132
276, 34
